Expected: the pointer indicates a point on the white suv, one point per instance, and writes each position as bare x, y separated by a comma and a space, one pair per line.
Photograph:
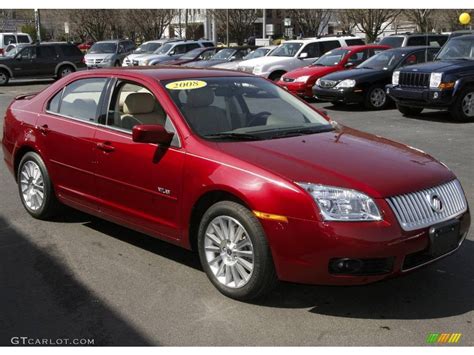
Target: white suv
294, 54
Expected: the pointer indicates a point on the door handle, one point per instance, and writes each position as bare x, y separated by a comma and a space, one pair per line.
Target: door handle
106, 147
43, 129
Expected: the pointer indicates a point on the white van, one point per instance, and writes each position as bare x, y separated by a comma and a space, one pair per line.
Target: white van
7, 38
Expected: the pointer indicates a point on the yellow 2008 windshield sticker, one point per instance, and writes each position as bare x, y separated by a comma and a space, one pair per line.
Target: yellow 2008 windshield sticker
186, 85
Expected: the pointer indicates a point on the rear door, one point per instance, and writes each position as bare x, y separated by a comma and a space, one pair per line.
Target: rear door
66, 132
138, 184
46, 60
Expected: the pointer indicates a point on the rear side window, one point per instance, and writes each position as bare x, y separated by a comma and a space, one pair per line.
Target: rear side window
191, 46
312, 49
23, 39
393, 42
355, 42
79, 99
207, 44
46, 52
326, 46
71, 51
418, 41
7, 39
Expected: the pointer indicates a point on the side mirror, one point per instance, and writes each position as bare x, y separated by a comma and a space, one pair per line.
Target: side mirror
303, 55
155, 134
349, 64
232, 58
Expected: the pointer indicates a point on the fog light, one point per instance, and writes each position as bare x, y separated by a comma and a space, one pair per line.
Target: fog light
345, 266
435, 95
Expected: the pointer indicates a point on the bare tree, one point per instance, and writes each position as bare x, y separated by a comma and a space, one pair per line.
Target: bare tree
447, 19
241, 23
422, 18
312, 22
149, 23
372, 22
345, 22
92, 23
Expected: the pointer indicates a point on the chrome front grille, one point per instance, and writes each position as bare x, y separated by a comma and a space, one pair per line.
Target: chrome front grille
421, 209
414, 79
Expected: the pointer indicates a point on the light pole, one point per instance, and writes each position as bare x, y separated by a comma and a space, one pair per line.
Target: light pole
227, 27
38, 25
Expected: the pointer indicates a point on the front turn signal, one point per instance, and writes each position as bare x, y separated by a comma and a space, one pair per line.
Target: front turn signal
445, 86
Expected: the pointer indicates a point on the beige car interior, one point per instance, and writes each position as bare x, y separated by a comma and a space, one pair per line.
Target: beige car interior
136, 105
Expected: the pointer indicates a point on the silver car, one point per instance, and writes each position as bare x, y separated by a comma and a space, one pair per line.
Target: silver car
105, 54
145, 49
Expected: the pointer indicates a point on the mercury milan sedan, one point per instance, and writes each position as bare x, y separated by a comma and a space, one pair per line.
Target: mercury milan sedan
263, 186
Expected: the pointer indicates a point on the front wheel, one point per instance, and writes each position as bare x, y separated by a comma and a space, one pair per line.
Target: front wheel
463, 107
409, 111
234, 252
64, 71
35, 187
4, 77
376, 98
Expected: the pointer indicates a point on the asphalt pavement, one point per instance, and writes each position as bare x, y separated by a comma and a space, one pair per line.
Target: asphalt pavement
80, 277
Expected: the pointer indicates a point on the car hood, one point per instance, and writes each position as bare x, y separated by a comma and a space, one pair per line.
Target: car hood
445, 66
270, 60
359, 75
98, 55
137, 55
229, 65
160, 57
345, 158
207, 63
316, 71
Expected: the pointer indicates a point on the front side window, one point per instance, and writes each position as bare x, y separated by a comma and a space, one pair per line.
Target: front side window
229, 108
393, 42
224, 54
28, 53
355, 42
312, 49
7, 39
165, 48
385, 60
287, 49
79, 99
326, 46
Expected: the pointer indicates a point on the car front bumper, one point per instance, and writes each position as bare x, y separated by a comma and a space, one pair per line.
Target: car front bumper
345, 95
423, 98
99, 65
303, 250
298, 88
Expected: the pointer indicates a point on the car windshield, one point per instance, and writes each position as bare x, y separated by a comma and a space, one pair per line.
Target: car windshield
457, 48
148, 47
260, 52
286, 50
104, 47
192, 54
331, 58
243, 108
386, 60
224, 54
393, 42
164, 48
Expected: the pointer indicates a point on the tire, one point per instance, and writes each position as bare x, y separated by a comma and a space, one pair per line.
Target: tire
371, 102
65, 70
409, 111
226, 264
463, 107
117, 64
4, 77
29, 183
275, 76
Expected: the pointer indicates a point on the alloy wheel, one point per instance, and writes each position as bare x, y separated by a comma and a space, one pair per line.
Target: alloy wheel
32, 185
3, 78
468, 104
229, 252
66, 71
378, 97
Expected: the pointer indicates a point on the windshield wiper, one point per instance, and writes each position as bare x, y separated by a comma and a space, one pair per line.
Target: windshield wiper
303, 131
235, 136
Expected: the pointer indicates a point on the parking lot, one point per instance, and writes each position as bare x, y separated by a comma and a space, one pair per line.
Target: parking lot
81, 277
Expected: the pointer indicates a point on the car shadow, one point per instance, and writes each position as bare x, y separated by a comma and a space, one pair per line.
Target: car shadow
436, 116
26, 82
442, 289
354, 108
40, 298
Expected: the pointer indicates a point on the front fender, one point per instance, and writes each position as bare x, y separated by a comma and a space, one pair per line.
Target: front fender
64, 63
461, 83
3, 66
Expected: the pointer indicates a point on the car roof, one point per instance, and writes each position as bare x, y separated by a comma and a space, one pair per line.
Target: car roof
416, 34
166, 72
364, 46
410, 49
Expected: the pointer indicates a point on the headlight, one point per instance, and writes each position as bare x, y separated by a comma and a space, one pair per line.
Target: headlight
338, 204
302, 79
318, 82
348, 83
146, 61
435, 79
257, 69
107, 59
395, 77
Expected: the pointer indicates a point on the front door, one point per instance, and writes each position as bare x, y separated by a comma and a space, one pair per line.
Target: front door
66, 132
23, 63
138, 184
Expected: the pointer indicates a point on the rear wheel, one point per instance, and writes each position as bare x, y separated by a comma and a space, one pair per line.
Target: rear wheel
35, 187
463, 107
376, 98
275, 76
65, 70
234, 252
409, 111
4, 77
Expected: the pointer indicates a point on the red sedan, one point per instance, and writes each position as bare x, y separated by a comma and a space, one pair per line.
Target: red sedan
263, 186
300, 81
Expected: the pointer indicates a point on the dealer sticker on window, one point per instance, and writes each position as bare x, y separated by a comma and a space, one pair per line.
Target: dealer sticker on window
186, 85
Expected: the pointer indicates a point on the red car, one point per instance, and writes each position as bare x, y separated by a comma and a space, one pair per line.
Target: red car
300, 81
84, 47
261, 184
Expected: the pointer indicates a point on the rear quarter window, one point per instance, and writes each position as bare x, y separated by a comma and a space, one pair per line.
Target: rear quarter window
23, 39
355, 42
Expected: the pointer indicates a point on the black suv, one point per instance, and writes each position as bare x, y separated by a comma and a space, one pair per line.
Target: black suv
414, 39
445, 83
41, 60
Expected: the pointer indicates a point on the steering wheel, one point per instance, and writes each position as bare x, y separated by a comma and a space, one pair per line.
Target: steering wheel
259, 119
